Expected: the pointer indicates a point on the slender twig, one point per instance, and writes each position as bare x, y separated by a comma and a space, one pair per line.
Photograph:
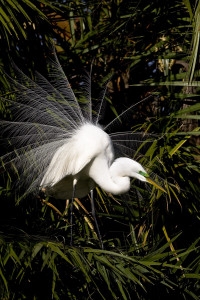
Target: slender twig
53, 207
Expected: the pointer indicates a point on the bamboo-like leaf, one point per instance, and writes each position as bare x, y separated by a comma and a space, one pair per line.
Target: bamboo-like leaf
121, 289
195, 117
36, 249
4, 280
193, 276
192, 108
188, 5
80, 264
130, 275
56, 249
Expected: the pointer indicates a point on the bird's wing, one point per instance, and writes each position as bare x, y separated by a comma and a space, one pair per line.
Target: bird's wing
70, 159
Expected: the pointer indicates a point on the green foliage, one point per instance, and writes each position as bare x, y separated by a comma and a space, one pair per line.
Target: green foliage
16, 16
50, 269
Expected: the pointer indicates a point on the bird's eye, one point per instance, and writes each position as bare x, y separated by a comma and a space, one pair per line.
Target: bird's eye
143, 174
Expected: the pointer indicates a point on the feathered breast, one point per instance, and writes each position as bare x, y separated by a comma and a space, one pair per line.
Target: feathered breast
87, 142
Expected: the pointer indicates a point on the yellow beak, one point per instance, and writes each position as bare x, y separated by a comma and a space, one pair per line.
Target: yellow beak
155, 184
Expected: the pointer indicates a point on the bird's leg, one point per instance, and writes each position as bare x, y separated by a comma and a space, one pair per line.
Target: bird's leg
71, 210
95, 220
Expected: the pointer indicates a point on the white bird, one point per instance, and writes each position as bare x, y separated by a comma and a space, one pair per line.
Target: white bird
87, 160
59, 145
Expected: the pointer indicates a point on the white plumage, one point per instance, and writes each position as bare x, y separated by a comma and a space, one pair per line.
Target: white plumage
87, 157
59, 145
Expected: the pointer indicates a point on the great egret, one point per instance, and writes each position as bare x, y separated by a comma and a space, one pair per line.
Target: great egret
59, 145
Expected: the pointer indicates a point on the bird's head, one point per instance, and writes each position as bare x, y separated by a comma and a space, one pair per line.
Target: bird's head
131, 168
142, 175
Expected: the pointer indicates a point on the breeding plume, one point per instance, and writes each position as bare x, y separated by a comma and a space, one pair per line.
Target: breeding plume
58, 145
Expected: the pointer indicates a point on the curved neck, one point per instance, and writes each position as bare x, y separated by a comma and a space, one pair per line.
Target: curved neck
109, 181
